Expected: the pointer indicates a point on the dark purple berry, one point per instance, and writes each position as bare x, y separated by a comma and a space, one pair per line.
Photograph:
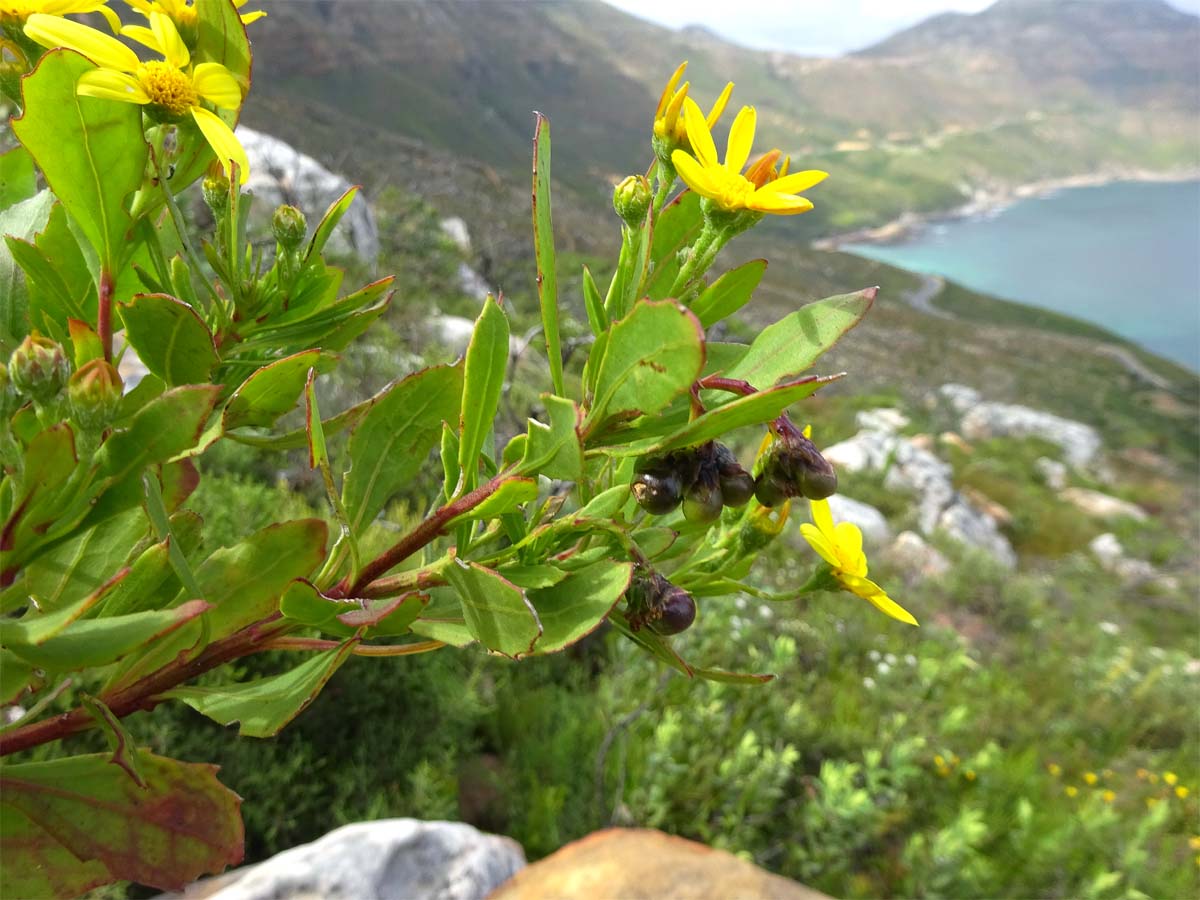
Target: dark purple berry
767, 489
737, 488
703, 501
676, 611
658, 492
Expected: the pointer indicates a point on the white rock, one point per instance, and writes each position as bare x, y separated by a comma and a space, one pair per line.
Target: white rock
456, 229
958, 397
1052, 472
391, 859
281, 174
914, 557
1080, 443
1101, 505
885, 419
967, 525
1107, 550
872, 523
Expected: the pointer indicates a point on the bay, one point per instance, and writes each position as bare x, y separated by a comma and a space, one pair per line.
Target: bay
1125, 256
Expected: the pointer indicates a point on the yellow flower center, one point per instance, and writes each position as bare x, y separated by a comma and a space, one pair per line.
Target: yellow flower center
169, 89
18, 10
733, 192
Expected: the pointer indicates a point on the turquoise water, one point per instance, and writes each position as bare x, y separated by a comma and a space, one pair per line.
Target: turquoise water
1125, 256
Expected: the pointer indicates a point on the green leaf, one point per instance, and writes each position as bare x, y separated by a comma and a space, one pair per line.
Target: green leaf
97, 642
17, 179
574, 608
554, 450
170, 338
15, 676
22, 221
752, 410
69, 290
511, 494
653, 355
606, 504
729, 293
91, 151
85, 343
677, 227
270, 392
150, 584
265, 705
535, 576
720, 356
329, 221
594, 304
71, 824
655, 541
394, 438
34, 628
543, 245
732, 677
483, 380
655, 644
294, 440
495, 610
794, 343
168, 425
83, 562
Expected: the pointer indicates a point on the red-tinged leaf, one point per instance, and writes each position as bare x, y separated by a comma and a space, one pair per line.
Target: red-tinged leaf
733, 677
179, 479
74, 823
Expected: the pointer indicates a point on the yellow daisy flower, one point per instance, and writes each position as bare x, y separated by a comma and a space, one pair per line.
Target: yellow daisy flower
724, 183
841, 547
20, 10
1090, 777
183, 12
668, 123
171, 89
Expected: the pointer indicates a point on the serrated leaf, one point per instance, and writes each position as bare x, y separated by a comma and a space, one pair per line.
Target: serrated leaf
653, 355
73, 823
495, 610
263, 706
543, 245
170, 338
270, 392
394, 438
554, 450
574, 608
483, 381
796, 341
89, 643
729, 293
752, 410
91, 151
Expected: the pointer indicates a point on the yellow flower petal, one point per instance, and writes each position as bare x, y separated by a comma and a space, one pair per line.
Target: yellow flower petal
143, 34
109, 85
741, 139
823, 518
669, 90
65, 7
170, 44
698, 134
848, 539
817, 541
113, 20
778, 204
719, 106
876, 595
221, 138
216, 84
250, 17
694, 175
54, 31
796, 182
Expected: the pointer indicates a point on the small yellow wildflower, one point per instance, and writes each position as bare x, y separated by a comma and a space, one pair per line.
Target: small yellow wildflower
171, 88
1194, 842
1170, 778
1181, 792
1108, 796
668, 121
183, 12
1054, 769
939, 760
1070, 790
724, 183
1090, 777
841, 547
969, 774
14, 13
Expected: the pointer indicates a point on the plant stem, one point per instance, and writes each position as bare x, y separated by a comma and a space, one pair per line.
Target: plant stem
104, 313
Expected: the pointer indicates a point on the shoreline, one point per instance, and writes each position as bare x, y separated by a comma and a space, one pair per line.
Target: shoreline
990, 200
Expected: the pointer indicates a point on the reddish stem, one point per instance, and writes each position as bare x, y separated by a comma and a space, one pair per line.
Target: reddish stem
311, 644
425, 533
731, 385
104, 314
146, 693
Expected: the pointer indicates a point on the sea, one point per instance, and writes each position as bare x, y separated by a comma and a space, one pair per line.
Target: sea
1124, 255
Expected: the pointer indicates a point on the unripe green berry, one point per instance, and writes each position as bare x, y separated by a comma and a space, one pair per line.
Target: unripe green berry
95, 393
703, 501
289, 227
631, 200
39, 369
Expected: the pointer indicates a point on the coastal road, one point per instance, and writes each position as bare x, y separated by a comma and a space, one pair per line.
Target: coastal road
931, 285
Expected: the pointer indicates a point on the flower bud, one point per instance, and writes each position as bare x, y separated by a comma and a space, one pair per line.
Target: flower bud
39, 369
95, 393
215, 188
631, 200
289, 227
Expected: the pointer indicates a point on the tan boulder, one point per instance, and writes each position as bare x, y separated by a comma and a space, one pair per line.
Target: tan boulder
643, 864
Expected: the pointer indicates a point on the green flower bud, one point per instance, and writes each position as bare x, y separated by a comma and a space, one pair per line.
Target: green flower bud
215, 188
95, 393
9, 401
39, 369
289, 227
631, 200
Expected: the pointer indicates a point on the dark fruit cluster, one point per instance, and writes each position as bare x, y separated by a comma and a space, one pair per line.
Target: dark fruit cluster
793, 467
704, 478
655, 603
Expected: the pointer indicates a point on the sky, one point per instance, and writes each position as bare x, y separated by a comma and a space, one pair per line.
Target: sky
807, 27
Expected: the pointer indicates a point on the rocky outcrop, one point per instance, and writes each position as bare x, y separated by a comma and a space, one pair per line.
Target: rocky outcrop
870, 521
1102, 506
915, 558
391, 859
641, 864
1111, 555
281, 174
